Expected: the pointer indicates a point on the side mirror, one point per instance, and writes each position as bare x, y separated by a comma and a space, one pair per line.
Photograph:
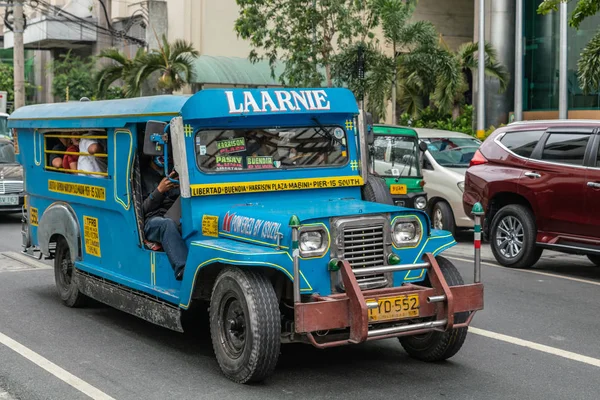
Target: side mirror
423, 146
154, 138
369, 124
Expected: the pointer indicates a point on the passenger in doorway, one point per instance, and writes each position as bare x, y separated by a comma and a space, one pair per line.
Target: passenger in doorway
159, 194
70, 160
92, 163
56, 160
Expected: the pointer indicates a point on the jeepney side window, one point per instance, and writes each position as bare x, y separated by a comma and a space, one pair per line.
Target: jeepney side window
77, 152
265, 148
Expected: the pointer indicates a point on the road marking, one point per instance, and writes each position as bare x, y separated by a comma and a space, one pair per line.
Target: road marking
529, 271
23, 259
536, 346
54, 369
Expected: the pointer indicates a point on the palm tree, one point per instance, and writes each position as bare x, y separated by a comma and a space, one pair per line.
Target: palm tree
174, 61
588, 66
119, 68
401, 34
452, 79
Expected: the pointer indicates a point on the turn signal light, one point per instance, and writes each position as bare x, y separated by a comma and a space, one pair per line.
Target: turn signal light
478, 159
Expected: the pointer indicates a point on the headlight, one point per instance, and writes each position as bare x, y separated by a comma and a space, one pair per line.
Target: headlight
461, 186
313, 242
420, 203
406, 231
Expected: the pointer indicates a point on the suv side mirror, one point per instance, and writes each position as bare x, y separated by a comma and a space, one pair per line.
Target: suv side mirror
154, 138
369, 124
423, 146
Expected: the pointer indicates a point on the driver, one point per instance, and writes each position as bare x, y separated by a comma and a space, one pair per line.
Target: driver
159, 194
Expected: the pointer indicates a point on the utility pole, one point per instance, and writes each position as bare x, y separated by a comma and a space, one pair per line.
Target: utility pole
19, 55
481, 73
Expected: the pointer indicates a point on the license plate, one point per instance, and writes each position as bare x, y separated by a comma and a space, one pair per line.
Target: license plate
398, 189
397, 307
9, 200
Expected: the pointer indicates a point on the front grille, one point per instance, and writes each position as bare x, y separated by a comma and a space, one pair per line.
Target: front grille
365, 247
11, 187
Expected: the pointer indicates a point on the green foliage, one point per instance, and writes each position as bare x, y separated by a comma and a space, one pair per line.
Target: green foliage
72, 72
174, 61
583, 9
435, 119
302, 33
7, 80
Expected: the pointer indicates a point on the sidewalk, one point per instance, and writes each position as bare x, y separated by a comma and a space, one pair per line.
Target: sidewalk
466, 250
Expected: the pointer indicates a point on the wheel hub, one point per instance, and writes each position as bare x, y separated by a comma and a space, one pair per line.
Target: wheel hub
233, 328
509, 237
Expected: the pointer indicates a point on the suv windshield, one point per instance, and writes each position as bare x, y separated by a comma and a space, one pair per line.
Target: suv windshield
396, 156
7, 152
452, 152
262, 148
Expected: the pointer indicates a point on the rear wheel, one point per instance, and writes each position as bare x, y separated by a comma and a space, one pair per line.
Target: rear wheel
443, 217
245, 325
438, 346
512, 237
64, 273
595, 259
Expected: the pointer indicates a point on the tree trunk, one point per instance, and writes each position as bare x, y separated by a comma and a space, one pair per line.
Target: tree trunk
394, 80
328, 75
455, 111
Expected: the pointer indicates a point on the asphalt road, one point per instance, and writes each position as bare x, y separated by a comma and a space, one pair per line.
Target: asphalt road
550, 348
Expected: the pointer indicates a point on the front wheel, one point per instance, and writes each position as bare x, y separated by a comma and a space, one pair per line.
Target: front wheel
439, 346
443, 217
512, 237
64, 273
245, 325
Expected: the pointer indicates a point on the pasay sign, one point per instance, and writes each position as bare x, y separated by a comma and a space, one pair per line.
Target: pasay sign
247, 226
277, 101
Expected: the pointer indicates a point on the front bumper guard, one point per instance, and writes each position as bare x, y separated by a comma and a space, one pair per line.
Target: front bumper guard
350, 310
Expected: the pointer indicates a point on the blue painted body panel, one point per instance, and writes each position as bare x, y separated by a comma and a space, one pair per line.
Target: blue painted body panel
125, 260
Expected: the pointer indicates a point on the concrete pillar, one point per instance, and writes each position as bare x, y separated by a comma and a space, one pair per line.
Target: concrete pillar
158, 22
500, 32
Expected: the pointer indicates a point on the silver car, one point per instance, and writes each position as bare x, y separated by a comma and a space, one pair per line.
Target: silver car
445, 163
11, 178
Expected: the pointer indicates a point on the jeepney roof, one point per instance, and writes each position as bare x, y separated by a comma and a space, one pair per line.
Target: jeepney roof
214, 105
383, 129
97, 114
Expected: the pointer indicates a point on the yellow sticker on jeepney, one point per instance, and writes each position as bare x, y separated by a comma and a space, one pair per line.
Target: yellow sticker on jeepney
275, 186
91, 236
33, 216
210, 225
77, 189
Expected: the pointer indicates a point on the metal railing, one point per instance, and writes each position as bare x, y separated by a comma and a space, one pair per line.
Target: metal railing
76, 153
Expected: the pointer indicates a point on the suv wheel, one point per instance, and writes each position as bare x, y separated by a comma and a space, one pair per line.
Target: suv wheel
595, 259
512, 237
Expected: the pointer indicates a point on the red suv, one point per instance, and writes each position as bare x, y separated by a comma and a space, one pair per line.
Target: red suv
539, 184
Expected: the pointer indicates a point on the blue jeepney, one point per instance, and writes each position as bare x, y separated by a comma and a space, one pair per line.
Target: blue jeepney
289, 238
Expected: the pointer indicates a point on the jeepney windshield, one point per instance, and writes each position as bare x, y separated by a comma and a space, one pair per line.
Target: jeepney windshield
263, 148
396, 156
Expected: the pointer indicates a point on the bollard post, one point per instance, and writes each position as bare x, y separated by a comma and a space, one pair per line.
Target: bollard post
477, 212
295, 224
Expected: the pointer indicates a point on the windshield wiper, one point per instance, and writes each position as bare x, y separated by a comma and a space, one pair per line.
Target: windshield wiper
325, 133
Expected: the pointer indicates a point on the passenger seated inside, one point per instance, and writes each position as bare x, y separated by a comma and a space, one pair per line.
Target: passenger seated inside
92, 163
159, 194
56, 160
70, 160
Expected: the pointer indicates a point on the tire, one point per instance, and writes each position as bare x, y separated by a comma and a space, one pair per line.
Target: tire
64, 271
245, 325
442, 210
518, 220
595, 259
376, 191
439, 346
